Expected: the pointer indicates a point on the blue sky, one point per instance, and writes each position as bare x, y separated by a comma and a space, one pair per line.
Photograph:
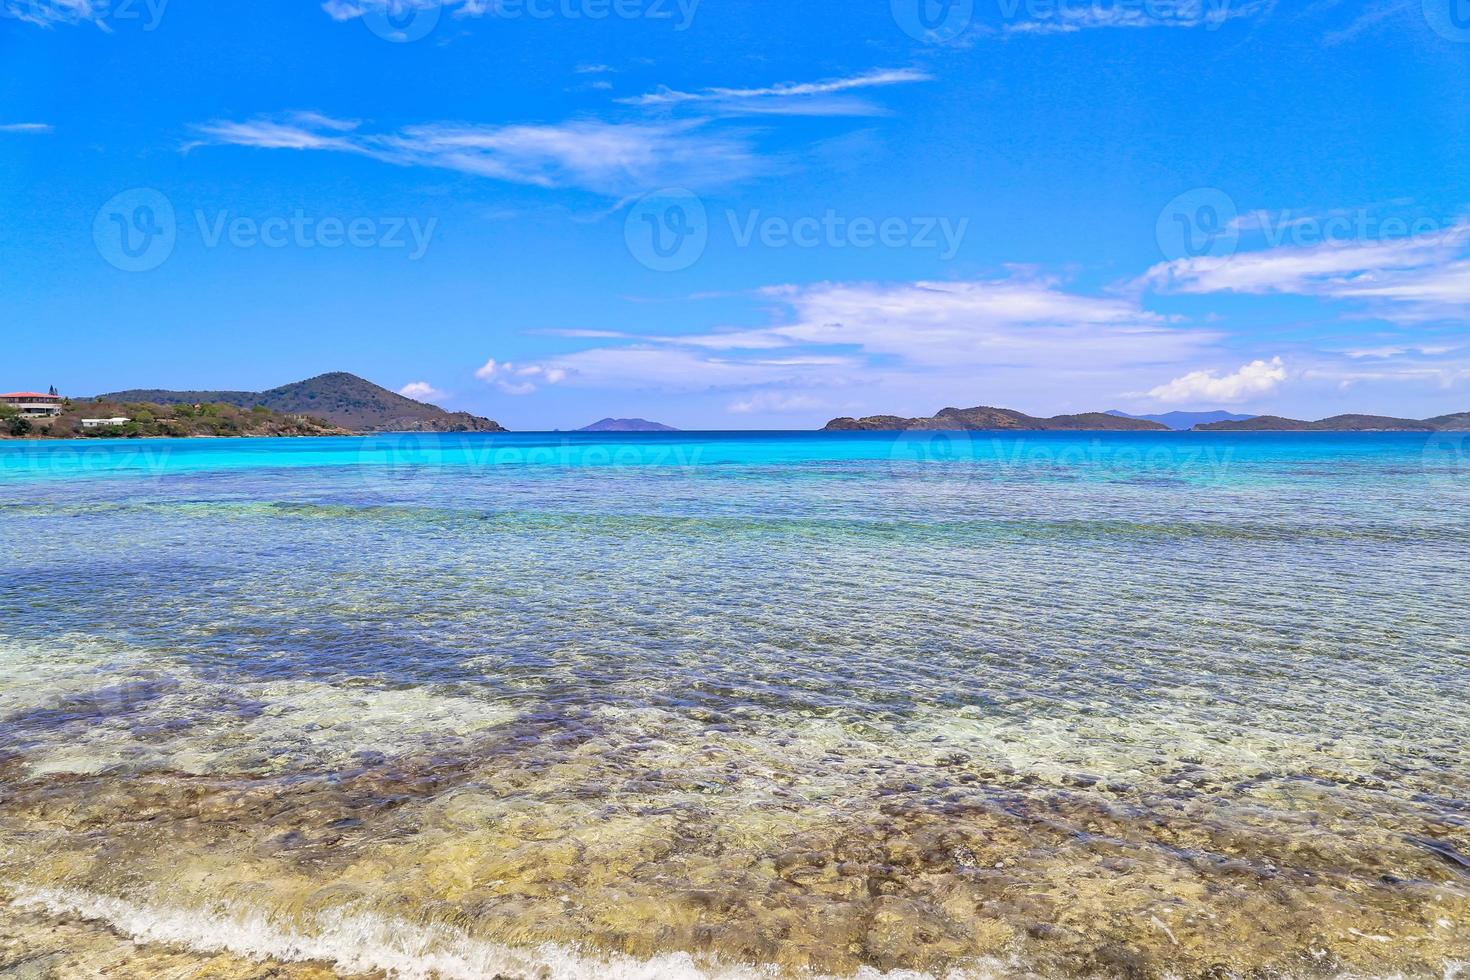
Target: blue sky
744, 215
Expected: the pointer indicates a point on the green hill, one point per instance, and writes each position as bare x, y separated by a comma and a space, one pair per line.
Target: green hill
340, 398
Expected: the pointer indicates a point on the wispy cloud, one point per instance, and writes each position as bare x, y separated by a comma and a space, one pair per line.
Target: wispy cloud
1397, 350
341, 10
946, 339
788, 98
775, 402
27, 127
293, 131
1067, 18
609, 158
1409, 279
1369, 19
45, 13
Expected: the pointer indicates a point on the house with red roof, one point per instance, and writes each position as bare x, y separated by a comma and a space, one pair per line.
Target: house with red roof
32, 404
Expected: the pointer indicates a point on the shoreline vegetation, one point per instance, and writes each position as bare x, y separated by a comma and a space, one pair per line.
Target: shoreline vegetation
342, 404
335, 404
149, 419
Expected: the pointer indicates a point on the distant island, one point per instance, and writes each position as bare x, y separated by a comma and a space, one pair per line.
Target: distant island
342, 399
1342, 423
627, 425
989, 419
986, 418
1184, 421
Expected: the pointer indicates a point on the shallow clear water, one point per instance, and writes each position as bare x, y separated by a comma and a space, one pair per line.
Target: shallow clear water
737, 704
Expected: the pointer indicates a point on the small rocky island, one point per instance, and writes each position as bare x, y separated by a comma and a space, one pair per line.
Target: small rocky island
627, 425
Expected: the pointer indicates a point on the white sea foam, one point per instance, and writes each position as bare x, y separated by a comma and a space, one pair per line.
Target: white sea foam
360, 942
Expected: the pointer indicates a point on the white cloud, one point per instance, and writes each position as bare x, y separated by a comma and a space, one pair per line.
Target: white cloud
615, 159
1201, 387
294, 131
421, 391
1370, 18
789, 98
1392, 351
521, 379
1413, 278
945, 341
1019, 321
773, 402
343, 10
27, 127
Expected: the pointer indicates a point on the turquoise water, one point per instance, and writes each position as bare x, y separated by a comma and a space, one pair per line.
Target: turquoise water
740, 704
